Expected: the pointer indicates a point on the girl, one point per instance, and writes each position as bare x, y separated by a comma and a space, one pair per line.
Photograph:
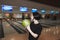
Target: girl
35, 27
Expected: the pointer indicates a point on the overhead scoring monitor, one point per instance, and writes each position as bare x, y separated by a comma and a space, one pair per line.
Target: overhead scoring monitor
34, 10
23, 9
42, 11
6, 8
52, 12
56, 12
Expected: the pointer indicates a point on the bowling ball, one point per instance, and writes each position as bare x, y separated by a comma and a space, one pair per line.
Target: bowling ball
25, 22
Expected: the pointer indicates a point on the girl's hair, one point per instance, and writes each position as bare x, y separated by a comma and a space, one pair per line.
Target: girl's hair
37, 16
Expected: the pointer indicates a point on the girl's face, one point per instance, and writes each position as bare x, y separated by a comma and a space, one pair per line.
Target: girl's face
33, 20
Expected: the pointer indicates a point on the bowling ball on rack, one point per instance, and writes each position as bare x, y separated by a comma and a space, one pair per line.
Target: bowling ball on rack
25, 22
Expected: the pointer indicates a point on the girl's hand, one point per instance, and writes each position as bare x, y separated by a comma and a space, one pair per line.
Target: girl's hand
35, 35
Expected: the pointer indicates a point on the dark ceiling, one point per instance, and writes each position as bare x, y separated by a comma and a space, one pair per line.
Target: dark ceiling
55, 3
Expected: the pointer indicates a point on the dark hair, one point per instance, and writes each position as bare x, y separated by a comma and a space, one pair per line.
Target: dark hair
37, 16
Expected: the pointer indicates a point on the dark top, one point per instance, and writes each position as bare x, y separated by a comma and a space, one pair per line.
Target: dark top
36, 28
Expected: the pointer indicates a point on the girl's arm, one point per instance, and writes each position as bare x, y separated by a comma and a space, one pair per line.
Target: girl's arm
32, 33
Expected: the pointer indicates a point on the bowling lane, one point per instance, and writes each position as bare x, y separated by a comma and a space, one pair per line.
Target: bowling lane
17, 28
18, 23
7, 28
50, 22
11, 34
52, 33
